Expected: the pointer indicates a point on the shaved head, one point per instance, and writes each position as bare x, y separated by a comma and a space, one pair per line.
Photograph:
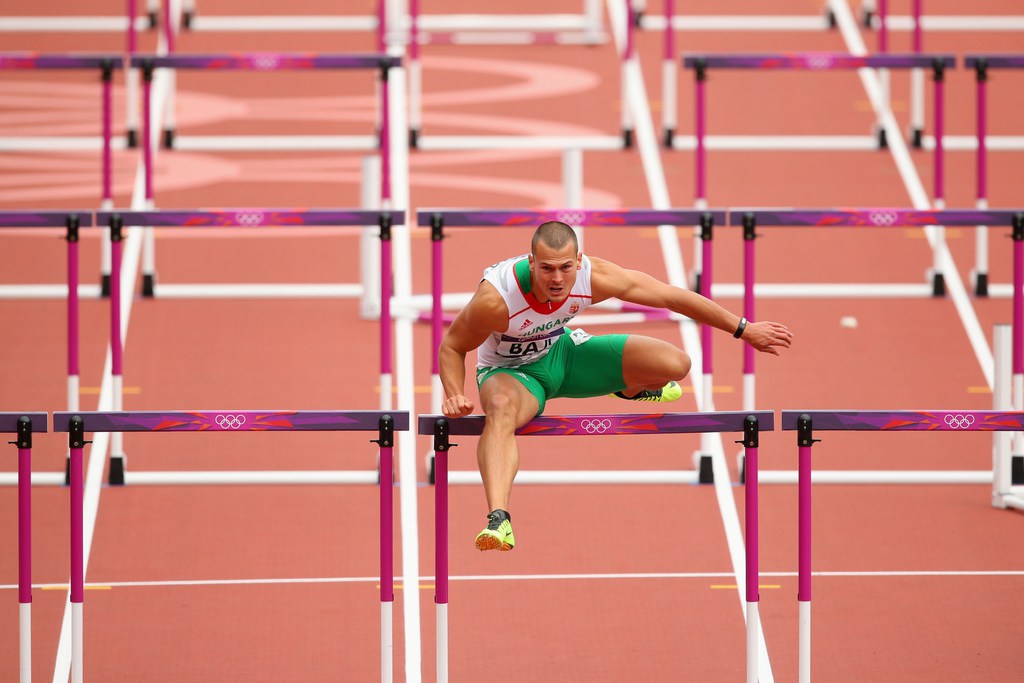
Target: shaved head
556, 235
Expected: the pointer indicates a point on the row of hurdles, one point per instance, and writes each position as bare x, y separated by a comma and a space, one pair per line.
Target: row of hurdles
26, 425
438, 220
390, 142
398, 25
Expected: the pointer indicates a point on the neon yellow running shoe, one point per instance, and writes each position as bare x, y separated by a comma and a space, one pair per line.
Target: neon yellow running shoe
498, 533
670, 392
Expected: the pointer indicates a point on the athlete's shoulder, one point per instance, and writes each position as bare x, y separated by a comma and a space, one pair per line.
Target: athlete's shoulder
486, 309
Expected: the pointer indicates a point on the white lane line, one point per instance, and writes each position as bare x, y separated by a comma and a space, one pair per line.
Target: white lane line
98, 452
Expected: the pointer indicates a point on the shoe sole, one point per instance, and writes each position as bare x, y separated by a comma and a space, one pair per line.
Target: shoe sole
486, 542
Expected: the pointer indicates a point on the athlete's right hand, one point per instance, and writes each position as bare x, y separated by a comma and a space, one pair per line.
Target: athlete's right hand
457, 406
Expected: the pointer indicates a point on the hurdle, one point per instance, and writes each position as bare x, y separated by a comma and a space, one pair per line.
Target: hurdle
245, 218
71, 221
24, 425
106, 63
264, 62
439, 219
884, 218
811, 61
806, 61
220, 421
669, 23
982, 143
805, 422
586, 28
750, 424
917, 20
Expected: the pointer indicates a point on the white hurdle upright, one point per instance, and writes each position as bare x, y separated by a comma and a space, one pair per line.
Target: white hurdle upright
749, 423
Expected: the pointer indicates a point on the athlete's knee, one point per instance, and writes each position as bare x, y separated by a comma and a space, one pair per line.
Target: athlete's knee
679, 365
501, 406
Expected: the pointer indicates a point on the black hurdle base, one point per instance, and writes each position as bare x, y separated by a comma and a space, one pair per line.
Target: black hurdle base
117, 468
980, 283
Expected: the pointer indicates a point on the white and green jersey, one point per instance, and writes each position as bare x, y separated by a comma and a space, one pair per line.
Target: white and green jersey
532, 326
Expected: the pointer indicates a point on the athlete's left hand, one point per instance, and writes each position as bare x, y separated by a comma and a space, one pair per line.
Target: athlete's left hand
768, 337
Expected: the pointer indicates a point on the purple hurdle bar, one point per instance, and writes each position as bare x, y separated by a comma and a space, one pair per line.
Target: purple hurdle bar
24, 425
385, 423
805, 422
750, 423
106, 63
882, 217
811, 61
438, 219
239, 218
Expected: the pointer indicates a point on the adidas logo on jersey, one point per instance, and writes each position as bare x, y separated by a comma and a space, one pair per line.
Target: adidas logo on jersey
526, 323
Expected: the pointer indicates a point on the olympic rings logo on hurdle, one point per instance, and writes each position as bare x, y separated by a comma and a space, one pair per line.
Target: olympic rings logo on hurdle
883, 219
572, 217
265, 62
249, 218
959, 421
819, 61
230, 421
595, 426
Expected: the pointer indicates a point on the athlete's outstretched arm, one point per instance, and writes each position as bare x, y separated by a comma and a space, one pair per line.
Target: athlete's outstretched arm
485, 313
610, 280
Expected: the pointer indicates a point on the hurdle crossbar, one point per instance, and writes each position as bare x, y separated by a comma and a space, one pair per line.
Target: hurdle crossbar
24, 425
245, 218
106, 63
439, 219
981, 64
752, 218
750, 423
77, 424
806, 422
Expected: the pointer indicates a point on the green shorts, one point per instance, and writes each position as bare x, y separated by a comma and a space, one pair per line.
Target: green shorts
591, 368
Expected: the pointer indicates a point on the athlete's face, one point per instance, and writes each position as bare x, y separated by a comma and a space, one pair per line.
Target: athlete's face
554, 271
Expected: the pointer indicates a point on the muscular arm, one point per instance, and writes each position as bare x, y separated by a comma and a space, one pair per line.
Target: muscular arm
485, 313
610, 280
